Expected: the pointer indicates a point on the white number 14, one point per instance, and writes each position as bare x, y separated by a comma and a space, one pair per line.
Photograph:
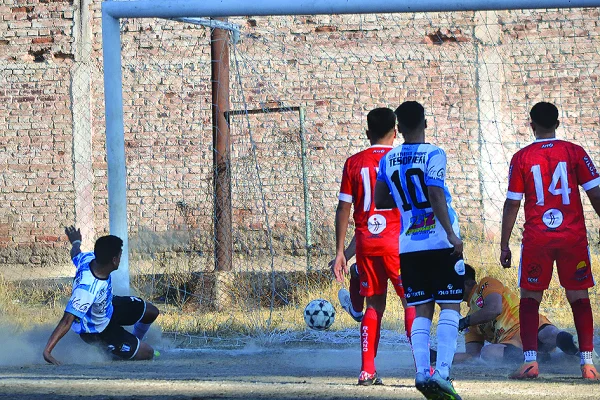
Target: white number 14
559, 175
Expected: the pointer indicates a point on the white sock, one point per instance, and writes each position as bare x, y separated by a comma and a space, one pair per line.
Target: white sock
447, 333
420, 343
586, 358
530, 355
140, 329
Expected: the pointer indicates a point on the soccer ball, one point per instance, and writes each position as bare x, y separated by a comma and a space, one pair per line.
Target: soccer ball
319, 314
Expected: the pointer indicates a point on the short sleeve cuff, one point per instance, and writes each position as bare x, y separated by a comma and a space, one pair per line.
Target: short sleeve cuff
591, 184
346, 198
435, 182
71, 310
514, 196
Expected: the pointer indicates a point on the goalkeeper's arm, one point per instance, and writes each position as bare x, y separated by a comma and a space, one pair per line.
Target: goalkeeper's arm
74, 236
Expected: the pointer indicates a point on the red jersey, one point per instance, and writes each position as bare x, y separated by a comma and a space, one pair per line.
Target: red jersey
377, 231
547, 173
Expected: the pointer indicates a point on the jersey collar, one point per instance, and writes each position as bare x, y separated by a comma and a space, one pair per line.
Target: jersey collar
382, 145
544, 140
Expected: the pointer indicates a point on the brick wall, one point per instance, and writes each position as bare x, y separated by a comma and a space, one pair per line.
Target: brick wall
476, 73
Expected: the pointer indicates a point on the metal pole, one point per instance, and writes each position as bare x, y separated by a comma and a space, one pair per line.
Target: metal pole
221, 143
307, 223
115, 146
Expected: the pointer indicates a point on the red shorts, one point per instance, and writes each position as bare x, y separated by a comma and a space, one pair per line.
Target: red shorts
572, 264
374, 272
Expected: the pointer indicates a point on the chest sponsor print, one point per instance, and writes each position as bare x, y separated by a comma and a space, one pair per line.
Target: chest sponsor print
421, 223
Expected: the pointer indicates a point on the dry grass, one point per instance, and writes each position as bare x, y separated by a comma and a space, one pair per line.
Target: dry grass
247, 311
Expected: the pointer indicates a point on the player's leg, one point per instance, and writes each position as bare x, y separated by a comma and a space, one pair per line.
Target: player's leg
501, 352
392, 265
124, 345
369, 338
356, 298
417, 286
372, 273
448, 287
575, 274
131, 310
535, 271
352, 301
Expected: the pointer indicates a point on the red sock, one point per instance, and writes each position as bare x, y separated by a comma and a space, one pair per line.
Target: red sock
409, 316
379, 318
368, 339
529, 318
356, 299
584, 323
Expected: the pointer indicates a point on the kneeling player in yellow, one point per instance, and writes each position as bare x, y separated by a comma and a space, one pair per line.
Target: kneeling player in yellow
494, 317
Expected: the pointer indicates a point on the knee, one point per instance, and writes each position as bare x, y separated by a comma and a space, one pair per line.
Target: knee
145, 352
151, 313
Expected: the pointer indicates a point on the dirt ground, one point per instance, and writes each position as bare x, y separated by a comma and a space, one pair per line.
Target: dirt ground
294, 372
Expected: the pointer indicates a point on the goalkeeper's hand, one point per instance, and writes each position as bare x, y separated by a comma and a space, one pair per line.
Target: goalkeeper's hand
73, 234
464, 323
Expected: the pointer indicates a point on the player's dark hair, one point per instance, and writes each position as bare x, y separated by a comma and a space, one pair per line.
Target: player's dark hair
107, 247
469, 273
380, 121
410, 115
544, 114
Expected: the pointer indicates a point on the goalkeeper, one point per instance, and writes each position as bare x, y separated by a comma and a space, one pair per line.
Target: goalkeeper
493, 317
94, 313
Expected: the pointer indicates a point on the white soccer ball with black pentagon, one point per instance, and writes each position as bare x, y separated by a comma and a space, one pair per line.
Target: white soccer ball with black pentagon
319, 314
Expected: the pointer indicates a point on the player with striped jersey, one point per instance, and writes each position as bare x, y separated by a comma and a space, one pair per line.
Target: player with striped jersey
376, 233
547, 174
94, 313
430, 245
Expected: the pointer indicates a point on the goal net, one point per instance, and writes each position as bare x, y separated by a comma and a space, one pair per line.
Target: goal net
300, 88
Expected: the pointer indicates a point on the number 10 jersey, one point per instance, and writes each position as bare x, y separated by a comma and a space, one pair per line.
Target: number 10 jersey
408, 170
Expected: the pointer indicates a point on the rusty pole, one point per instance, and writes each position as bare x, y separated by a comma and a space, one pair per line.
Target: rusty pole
221, 145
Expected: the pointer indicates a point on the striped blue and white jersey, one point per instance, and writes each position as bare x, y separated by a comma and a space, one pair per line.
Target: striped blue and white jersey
91, 298
408, 170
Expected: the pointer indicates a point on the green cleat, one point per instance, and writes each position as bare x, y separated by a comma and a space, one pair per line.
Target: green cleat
442, 388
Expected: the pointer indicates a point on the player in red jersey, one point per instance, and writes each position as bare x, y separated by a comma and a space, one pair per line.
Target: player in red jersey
547, 173
377, 235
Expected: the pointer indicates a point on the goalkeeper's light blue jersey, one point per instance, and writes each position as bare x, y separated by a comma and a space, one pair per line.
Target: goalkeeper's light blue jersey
91, 298
408, 170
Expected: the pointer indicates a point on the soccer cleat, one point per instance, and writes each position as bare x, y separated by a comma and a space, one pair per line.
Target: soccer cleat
529, 370
589, 372
423, 385
441, 388
344, 298
366, 379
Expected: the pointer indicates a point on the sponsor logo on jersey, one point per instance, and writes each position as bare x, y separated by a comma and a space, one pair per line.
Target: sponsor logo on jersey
421, 223
376, 224
479, 301
482, 288
438, 173
581, 271
547, 145
449, 291
410, 293
404, 159
590, 165
553, 218
534, 271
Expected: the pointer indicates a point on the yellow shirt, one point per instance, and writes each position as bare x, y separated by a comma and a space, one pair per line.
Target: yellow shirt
506, 325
